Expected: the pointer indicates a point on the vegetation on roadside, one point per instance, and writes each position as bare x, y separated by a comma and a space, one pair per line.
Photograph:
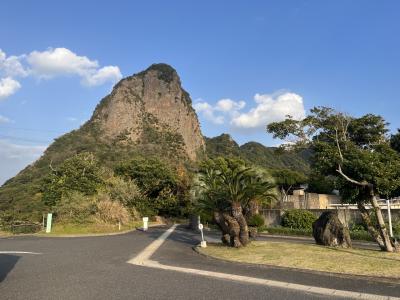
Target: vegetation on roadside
230, 192
298, 219
94, 228
312, 257
360, 235
356, 153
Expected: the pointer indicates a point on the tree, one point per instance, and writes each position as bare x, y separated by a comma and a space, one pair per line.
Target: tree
355, 151
163, 188
320, 184
225, 189
80, 173
395, 141
288, 179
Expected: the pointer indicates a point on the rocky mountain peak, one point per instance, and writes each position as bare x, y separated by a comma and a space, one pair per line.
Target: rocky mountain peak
151, 107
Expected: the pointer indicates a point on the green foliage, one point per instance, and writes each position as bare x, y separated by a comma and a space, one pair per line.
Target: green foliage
165, 72
256, 221
396, 228
320, 184
74, 207
298, 219
358, 145
80, 173
287, 179
163, 191
124, 191
395, 141
224, 181
278, 230
257, 154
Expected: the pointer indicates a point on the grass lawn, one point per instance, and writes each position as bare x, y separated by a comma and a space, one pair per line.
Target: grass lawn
4, 233
312, 257
93, 228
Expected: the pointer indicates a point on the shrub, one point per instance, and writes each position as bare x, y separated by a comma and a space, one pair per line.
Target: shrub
256, 221
396, 228
109, 211
74, 207
80, 173
298, 219
162, 190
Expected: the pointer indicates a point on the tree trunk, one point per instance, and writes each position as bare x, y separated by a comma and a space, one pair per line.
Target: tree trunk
234, 231
221, 223
237, 213
253, 209
371, 229
389, 247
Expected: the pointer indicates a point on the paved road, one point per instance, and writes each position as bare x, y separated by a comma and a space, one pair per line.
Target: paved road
96, 268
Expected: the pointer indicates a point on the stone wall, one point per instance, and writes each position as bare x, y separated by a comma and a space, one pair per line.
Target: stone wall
346, 215
302, 200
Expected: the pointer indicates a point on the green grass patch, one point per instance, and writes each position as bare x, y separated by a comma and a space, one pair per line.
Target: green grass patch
312, 257
92, 228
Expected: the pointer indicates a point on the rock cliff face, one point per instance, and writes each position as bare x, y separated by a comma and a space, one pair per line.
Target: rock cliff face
148, 107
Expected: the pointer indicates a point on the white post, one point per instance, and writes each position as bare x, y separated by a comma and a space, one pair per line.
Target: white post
390, 218
203, 243
119, 225
49, 219
145, 223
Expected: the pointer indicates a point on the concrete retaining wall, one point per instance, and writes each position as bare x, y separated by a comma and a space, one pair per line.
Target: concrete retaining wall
346, 215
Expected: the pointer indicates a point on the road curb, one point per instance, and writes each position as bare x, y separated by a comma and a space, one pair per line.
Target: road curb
45, 235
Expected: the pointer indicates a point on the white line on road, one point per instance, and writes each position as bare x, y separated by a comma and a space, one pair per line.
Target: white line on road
19, 252
152, 248
143, 257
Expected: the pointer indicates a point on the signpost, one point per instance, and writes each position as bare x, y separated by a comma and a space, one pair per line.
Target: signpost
145, 223
389, 217
49, 219
203, 243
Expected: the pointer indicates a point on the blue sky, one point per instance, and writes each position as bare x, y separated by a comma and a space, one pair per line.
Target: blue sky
262, 60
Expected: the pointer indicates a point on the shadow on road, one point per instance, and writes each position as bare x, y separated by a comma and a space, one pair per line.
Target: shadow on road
7, 263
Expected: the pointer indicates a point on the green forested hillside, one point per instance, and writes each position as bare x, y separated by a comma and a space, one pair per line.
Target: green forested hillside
258, 154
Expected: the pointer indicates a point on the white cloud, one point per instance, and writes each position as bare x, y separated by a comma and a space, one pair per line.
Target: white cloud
52, 63
11, 66
61, 61
72, 119
270, 108
4, 119
14, 157
228, 105
217, 113
103, 75
8, 86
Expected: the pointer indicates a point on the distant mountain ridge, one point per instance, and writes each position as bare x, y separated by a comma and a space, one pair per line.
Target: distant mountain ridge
258, 154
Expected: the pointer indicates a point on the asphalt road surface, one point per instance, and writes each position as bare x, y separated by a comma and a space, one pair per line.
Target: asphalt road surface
97, 268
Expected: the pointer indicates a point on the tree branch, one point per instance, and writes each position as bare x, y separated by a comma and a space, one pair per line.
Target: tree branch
339, 170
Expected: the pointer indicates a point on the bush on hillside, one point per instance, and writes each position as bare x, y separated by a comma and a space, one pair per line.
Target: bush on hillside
111, 212
74, 207
80, 173
163, 191
298, 219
